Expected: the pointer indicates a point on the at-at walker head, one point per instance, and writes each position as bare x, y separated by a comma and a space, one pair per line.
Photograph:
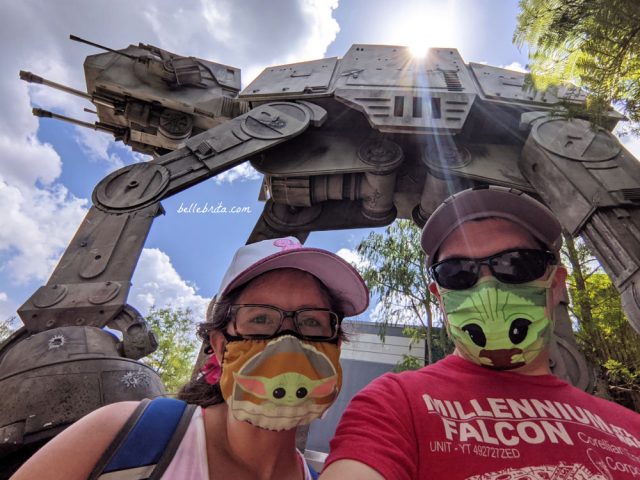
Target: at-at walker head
152, 99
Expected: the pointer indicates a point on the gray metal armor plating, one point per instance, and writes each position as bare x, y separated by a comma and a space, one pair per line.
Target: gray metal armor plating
342, 143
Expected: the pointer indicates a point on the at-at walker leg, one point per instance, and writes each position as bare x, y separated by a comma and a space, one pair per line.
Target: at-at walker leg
593, 185
89, 287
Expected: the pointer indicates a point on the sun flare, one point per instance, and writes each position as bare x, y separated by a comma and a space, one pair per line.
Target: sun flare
425, 28
418, 50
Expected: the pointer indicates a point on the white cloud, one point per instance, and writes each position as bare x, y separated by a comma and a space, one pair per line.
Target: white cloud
243, 34
321, 29
8, 310
242, 172
100, 146
516, 66
39, 213
354, 258
397, 310
37, 225
401, 312
157, 283
631, 143
24, 161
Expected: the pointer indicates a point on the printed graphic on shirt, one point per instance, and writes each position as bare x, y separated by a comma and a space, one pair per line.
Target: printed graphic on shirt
506, 428
545, 472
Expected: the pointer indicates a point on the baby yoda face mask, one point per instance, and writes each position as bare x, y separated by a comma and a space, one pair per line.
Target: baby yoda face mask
280, 383
499, 325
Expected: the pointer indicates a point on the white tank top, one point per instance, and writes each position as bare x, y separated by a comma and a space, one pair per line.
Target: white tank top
190, 460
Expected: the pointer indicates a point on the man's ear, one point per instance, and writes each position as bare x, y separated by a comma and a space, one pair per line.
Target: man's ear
433, 288
558, 284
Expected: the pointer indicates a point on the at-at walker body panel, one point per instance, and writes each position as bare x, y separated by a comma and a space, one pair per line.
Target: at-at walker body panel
343, 143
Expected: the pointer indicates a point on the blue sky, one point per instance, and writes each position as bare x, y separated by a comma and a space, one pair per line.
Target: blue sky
48, 169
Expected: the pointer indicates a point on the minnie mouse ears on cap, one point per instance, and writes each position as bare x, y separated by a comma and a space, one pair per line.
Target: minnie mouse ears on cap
490, 201
344, 283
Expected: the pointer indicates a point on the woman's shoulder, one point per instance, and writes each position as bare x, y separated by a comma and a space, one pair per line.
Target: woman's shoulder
73, 453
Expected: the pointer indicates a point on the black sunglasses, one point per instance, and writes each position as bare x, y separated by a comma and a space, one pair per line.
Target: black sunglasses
519, 265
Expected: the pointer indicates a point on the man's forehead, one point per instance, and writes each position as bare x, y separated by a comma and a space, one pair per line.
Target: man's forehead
486, 236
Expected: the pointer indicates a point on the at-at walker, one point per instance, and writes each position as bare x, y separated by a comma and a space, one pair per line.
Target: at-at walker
343, 143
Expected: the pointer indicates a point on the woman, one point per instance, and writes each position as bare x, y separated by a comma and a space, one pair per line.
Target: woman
274, 335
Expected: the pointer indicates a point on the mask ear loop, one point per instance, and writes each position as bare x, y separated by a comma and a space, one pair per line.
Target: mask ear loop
550, 309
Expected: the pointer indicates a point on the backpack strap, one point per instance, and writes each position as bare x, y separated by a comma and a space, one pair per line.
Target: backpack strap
145, 445
313, 472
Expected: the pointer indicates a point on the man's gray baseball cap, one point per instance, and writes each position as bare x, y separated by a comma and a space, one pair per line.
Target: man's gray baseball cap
490, 201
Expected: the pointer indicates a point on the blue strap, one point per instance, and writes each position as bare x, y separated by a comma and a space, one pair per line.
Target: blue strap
314, 474
148, 439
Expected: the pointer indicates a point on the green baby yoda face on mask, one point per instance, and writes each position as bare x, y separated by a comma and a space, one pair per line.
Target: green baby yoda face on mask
499, 325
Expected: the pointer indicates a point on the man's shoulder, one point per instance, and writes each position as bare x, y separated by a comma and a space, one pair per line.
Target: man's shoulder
602, 404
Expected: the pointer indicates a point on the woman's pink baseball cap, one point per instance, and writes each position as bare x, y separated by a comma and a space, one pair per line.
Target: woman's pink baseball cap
343, 281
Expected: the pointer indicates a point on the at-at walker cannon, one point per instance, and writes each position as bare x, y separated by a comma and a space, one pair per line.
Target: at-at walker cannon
151, 99
347, 142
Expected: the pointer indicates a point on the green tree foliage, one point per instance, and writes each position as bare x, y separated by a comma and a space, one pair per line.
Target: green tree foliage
6, 328
603, 332
393, 268
593, 43
177, 346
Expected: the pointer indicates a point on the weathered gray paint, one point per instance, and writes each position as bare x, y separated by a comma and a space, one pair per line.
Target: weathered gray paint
343, 143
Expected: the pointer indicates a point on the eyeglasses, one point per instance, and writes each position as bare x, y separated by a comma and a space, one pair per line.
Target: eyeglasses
264, 321
519, 265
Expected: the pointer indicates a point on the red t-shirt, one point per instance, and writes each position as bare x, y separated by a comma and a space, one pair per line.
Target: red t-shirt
457, 420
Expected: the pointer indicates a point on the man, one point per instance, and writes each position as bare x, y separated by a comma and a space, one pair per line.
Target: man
492, 409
